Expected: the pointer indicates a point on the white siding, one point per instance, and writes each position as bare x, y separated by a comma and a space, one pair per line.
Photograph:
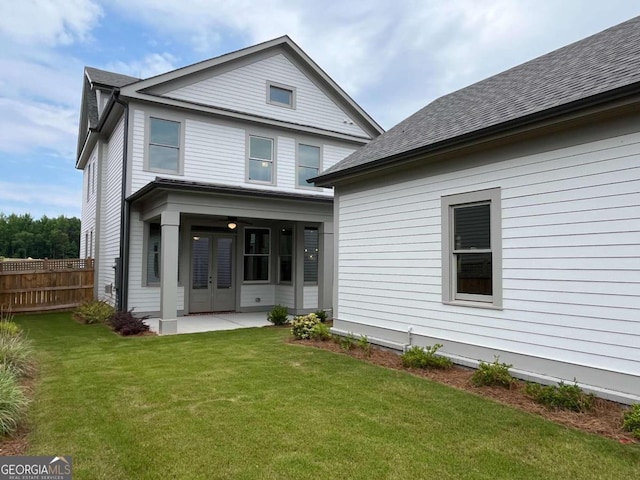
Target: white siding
215, 153
245, 89
111, 175
251, 293
89, 213
285, 296
571, 256
310, 297
332, 154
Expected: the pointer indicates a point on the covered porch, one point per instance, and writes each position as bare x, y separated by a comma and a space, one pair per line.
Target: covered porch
210, 249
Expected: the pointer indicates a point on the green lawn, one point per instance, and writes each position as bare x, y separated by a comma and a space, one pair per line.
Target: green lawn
244, 404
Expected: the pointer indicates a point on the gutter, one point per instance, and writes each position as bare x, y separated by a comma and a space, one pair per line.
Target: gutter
125, 206
330, 178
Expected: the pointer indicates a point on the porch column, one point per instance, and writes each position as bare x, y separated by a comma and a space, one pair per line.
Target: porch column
169, 221
325, 266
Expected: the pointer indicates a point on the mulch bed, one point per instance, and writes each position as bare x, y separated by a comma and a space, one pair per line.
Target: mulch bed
604, 420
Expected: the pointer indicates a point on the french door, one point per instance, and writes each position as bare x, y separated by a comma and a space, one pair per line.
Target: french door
212, 286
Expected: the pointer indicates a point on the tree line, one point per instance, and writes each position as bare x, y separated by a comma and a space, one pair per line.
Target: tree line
21, 236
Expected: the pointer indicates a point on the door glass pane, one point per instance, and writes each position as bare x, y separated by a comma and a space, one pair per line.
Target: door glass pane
223, 257
474, 273
200, 263
472, 227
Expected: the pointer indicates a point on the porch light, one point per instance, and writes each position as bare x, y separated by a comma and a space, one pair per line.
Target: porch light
232, 225
196, 238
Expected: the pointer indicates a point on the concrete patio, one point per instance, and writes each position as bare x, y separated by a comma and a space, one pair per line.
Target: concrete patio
215, 321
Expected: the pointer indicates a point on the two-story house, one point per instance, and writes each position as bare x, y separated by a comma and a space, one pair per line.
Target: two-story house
195, 183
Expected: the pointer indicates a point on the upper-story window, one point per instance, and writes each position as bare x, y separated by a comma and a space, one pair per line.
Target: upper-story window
281, 95
164, 145
308, 164
260, 159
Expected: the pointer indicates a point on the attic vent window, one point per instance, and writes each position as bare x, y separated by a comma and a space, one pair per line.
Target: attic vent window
280, 95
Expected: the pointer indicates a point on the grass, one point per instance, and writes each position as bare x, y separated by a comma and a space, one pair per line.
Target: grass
245, 405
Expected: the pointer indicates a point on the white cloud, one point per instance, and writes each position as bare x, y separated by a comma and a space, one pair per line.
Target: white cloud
391, 56
29, 125
149, 66
39, 199
48, 21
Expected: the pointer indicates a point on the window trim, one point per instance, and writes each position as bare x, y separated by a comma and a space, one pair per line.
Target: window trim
449, 285
268, 255
145, 253
273, 158
307, 186
281, 86
147, 142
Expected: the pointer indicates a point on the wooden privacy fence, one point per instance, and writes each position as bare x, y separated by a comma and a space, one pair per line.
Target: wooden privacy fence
41, 285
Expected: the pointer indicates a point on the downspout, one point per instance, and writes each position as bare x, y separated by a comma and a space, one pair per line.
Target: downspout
125, 211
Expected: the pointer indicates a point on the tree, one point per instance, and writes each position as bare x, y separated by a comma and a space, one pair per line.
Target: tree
21, 236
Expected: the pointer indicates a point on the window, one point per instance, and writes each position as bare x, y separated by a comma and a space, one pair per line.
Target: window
90, 255
471, 248
93, 179
257, 248
280, 95
308, 163
164, 145
285, 257
86, 245
311, 251
261, 159
153, 254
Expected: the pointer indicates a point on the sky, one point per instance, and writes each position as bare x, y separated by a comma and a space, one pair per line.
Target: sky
391, 56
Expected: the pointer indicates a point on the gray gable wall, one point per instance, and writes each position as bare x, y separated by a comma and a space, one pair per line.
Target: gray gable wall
598, 64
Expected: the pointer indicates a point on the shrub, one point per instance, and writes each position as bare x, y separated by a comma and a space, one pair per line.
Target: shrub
9, 329
302, 326
561, 396
16, 355
320, 331
364, 344
347, 343
495, 373
95, 311
417, 357
12, 403
322, 315
126, 324
278, 315
632, 420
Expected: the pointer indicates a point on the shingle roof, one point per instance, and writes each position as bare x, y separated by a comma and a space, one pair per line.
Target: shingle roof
601, 63
109, 79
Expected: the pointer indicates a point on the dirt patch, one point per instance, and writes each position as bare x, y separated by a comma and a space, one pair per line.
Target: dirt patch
604, 420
